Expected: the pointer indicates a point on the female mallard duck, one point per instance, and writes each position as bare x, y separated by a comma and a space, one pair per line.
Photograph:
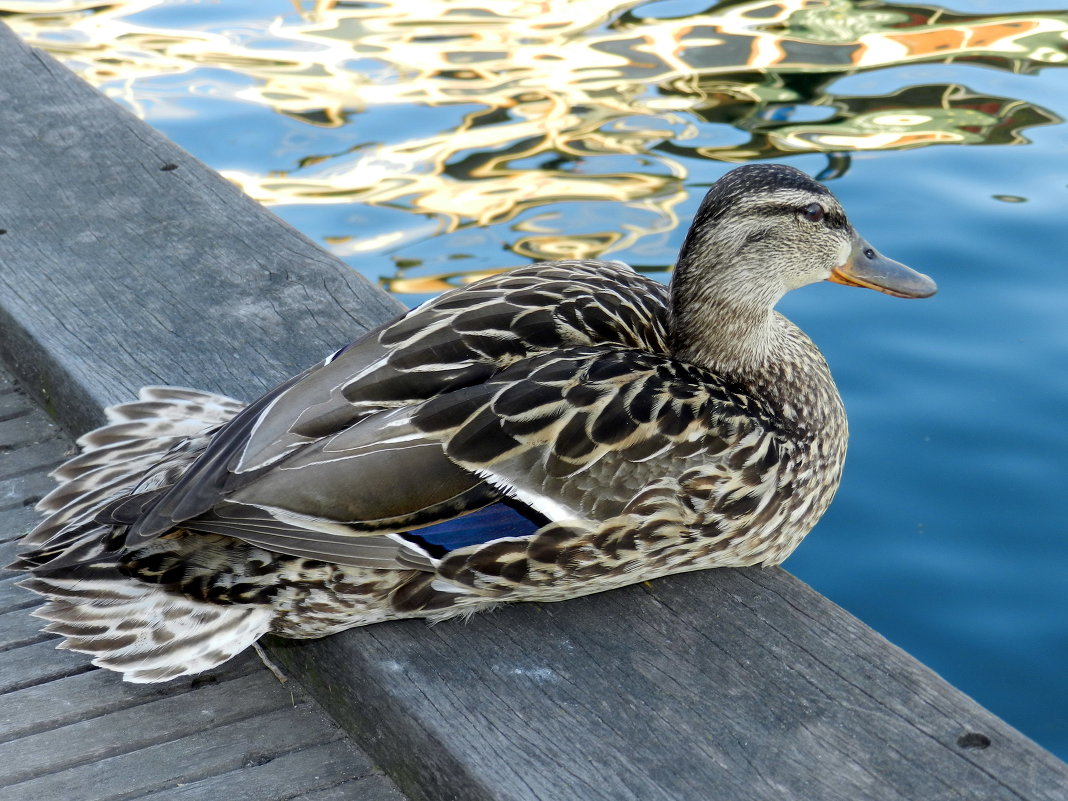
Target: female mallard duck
558, 430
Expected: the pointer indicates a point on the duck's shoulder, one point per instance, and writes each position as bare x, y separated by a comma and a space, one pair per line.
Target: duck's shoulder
543, 306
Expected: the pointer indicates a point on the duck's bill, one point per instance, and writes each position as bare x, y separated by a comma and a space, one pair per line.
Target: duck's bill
869, 268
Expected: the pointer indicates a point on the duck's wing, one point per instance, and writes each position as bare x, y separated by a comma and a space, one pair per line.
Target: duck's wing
338, 498
578, 434
457, 341
574, 435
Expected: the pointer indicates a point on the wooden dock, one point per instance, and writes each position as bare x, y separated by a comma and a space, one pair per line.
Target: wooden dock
71, 732
124, 261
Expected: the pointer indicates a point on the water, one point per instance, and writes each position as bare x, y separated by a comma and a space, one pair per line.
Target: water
427, 143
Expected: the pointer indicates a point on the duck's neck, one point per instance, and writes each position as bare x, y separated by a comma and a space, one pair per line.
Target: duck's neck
739, 336
734, 333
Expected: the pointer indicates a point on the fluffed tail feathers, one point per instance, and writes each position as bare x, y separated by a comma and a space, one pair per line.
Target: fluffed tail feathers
144, 446
141, 630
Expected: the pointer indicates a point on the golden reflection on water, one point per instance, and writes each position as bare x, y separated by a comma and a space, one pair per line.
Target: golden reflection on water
545, 105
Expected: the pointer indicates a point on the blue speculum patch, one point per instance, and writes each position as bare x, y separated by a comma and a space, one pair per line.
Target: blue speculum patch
494, 522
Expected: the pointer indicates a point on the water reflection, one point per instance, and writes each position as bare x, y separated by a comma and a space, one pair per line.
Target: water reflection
915, 116
541, 106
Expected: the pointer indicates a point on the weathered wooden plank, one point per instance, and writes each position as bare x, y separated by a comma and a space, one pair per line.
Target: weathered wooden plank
23, 434
25, 488
22, 429
13, 596
33, 457
727, 684
93, 695
13, 402
17, 629
134, 728
20, 517
368, 788
744, 681
213, 751
321, 769
8, 545
38, 663
104, 249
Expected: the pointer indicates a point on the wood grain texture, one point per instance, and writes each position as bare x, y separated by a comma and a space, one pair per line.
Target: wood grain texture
109, 259
12, 596
728, 684
326, 771
217, 750
722, 685
56, 705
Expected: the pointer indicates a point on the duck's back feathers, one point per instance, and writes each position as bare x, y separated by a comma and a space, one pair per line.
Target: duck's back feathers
455, 341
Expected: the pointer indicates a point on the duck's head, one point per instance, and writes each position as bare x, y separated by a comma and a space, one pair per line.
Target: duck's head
762, 230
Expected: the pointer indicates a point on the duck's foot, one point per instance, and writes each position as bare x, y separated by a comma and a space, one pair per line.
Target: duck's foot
271, 666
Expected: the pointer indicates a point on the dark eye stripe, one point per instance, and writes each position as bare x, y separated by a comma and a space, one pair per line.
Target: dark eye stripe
833, 219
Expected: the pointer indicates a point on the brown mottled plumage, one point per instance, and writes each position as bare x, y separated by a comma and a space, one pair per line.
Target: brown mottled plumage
554, 431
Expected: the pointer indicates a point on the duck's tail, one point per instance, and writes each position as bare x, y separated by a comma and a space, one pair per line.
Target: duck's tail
145, 446
141, 629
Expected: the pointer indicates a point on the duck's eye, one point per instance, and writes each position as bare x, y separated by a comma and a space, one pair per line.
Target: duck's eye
813, 212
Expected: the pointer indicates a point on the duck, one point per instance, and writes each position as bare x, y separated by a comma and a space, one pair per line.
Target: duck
560, 429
